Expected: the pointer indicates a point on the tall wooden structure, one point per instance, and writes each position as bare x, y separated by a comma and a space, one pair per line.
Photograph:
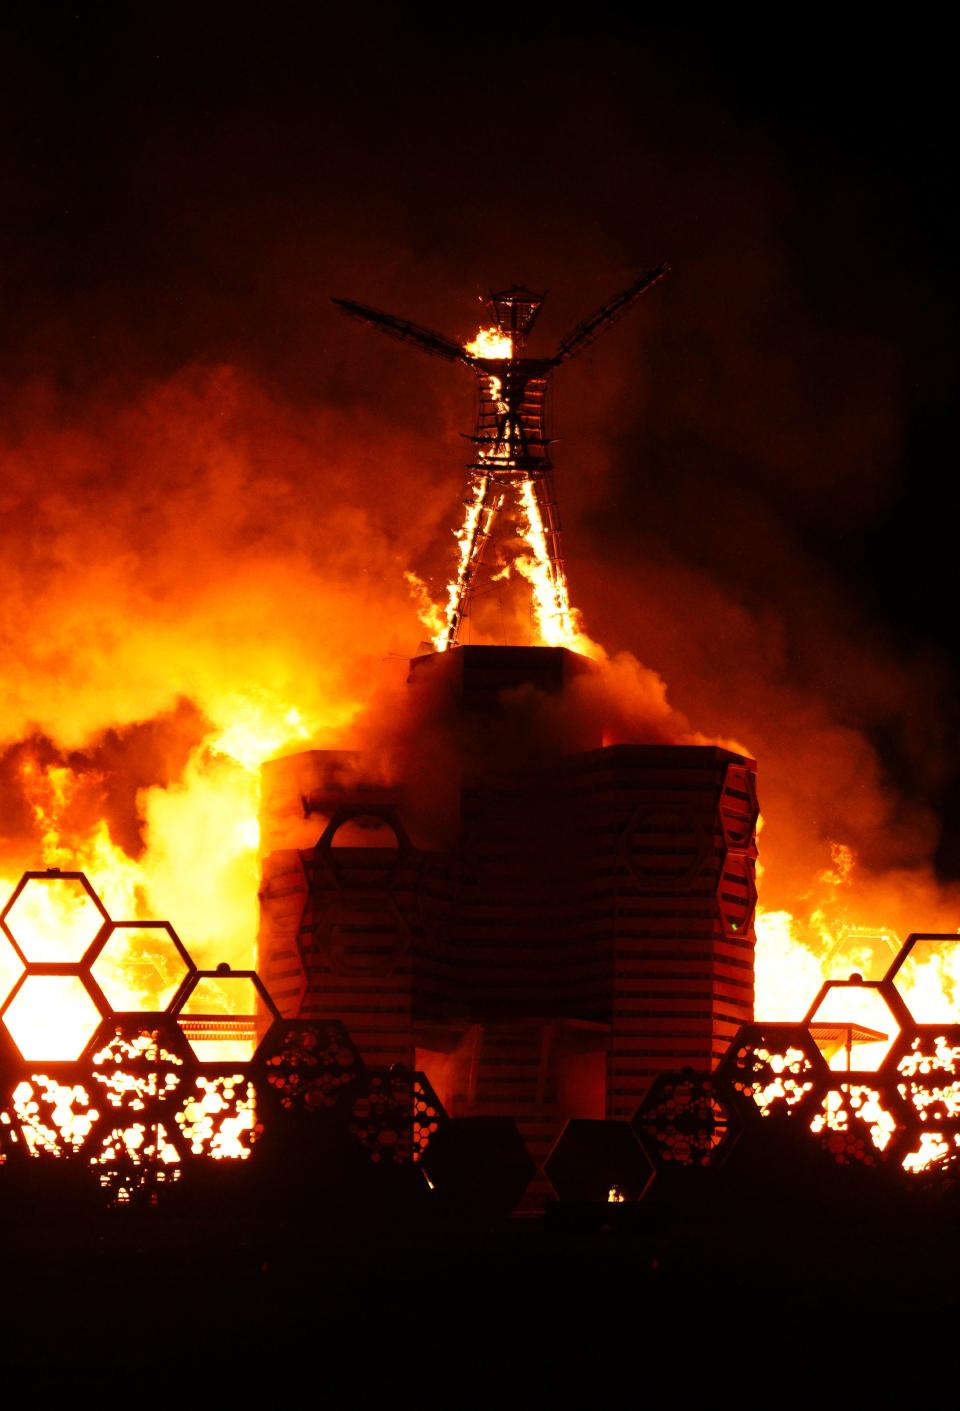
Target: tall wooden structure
541, 932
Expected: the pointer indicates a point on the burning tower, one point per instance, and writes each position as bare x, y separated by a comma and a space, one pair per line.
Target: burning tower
559, 921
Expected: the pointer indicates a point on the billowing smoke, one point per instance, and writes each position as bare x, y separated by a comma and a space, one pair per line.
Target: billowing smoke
212, 487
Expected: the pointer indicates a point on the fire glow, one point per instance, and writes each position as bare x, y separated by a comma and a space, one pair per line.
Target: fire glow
199, 863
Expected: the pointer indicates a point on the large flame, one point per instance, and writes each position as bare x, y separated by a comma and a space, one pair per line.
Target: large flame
490, 343
199, 870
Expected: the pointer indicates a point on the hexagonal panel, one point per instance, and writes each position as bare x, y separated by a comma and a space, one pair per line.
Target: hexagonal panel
479, 1165
853, 1026
684, 1121
224, 1017
928, 1073
862, 950
54, 918
309, 1066
140, 1068
857, 1122
926, 975
218, 1118
51, 1018
141, 965
382, 1116
54, 1118
772, 1069
598, 1161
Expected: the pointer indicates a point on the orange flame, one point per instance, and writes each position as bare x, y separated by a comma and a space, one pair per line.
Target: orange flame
489, 343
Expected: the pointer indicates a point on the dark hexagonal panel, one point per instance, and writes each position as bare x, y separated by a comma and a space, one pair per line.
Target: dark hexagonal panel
395, 1115
479, 1165
598, 1161
309, 1065
686, 1121
739, 809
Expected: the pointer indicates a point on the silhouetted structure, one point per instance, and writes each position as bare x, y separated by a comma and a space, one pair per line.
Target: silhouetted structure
578, 922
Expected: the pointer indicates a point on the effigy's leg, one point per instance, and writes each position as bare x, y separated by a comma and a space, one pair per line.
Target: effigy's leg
543, 566
482, 507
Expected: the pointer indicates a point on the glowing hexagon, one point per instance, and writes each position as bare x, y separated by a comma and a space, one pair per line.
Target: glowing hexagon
51, 1018
224, 1017
926, 975
928, 1073
772, 1069
857, 1122
54, 918
141, 966
853, 1026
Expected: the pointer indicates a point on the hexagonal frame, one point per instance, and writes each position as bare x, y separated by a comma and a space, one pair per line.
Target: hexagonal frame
885, 1156
774, 1037
294, 1079
705, 1088
739, 838
53, 874
93, 960
893, 1002
54, 972
225, 972
909, 945
585, 1143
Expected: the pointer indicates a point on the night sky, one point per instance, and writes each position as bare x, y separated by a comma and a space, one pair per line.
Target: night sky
752, 468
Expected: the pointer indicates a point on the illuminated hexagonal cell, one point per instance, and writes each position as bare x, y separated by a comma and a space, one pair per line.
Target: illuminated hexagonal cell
772, 1069
51, 1018
54, 919
856, 1123
927, 977
224, 1017
11, 967
853, 1026
141, 966
218, 1118
931, 1151
55, 1118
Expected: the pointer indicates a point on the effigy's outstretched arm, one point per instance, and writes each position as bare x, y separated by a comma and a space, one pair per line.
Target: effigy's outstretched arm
426, 339
601, 319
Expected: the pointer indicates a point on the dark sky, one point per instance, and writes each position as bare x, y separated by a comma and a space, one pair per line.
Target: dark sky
189, 186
